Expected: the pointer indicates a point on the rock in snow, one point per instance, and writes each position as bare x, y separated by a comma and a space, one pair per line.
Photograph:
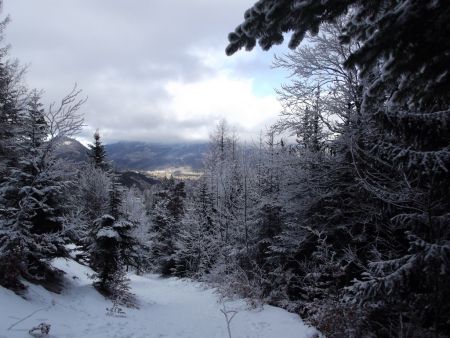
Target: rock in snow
167, 308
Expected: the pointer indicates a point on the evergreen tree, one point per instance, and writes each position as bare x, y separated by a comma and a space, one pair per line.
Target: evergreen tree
105, 255
12, 104
129, 244
97, 186
34, 194
166, 215
111, 246
88, 202
111, 242
268, 219
398, 146
197, 243
97, 153
401, 32
133, 209
33, 183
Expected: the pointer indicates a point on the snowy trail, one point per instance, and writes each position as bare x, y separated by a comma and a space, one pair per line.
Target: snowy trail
167, 308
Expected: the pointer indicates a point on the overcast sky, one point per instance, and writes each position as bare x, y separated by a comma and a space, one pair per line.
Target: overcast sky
153, 70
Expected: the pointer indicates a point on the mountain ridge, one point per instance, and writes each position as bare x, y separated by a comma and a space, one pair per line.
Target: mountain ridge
140, 156
136, 155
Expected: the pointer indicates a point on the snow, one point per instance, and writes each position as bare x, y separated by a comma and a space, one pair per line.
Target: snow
108, 232
167, 308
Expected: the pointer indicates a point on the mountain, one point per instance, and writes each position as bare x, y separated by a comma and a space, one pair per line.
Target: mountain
139, 155
151, 156
72, 150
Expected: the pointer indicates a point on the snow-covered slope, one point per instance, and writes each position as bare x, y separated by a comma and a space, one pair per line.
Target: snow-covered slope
167, 308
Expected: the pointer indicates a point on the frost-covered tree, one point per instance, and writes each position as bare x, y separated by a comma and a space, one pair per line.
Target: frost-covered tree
33, 183
34, 191
111, 244
198, 241
268, 215
41, 184
224, 172
113, 218
133, 210
13, 97
166, 214
106, 252
406, 168
89, 201
97, 153
398, 146
403, 33
129, 244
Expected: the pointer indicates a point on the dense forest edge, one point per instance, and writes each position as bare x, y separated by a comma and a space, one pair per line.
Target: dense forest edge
348, 226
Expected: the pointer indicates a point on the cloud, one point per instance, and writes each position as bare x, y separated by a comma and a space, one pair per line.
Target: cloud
153, 70
222, 97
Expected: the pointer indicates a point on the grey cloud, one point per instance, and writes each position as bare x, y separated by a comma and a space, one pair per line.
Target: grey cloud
122, 53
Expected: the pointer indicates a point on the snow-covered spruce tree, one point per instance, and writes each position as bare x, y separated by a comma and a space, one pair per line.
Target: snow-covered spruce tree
106, 258
233, 195
89, 201
12, 102
11, 110
166, 216
214, 233
92, 198
269, 216
13, 98
332, 217
402, 164
258, 219
215, 162
134, 210
97, 153
34, 191
198, 241
266, 214
409, 174
223, 167
119, 292
104, 252
111, 239
129, 244
40, 182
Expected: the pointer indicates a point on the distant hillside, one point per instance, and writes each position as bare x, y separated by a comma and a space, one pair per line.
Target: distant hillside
131, 178
72, 150
151, 156
139, 155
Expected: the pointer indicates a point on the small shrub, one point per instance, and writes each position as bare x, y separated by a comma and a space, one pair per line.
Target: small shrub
41, 330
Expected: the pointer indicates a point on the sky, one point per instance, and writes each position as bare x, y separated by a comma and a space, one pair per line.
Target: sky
153, 70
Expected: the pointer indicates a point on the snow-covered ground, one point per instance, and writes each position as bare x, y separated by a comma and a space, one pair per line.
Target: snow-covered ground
167, 308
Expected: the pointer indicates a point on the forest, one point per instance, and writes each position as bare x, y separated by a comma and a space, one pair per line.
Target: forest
340, 212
